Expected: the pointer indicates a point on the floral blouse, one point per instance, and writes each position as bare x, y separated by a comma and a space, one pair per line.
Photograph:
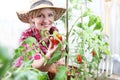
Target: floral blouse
33, 32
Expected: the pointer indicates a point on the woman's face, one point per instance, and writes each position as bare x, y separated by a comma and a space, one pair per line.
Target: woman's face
44, 19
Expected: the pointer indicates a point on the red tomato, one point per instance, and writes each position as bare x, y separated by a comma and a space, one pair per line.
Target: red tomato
79, 59
93, 53
59, 36
54, 40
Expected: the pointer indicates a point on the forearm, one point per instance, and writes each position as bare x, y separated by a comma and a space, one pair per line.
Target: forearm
39, 64
48, 67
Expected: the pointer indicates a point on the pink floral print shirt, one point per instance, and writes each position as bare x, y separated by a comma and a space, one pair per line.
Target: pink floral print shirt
33, 32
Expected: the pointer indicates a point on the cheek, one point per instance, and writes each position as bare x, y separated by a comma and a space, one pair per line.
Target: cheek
52, 19
38, 25
38, 22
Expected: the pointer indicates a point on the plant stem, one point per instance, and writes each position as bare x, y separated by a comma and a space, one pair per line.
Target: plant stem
74, 24
85, 71
83, 43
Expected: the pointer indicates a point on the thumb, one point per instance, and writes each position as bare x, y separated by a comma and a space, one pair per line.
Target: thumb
51, 39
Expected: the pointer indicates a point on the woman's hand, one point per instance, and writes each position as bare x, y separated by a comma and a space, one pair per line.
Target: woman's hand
40, 63
51, 49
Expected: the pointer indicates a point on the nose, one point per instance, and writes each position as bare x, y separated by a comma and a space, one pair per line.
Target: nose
46, 20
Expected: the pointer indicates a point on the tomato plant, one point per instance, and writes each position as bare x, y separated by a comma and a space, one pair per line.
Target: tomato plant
85, 35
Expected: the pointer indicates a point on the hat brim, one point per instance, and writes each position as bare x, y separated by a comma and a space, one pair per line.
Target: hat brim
24, 16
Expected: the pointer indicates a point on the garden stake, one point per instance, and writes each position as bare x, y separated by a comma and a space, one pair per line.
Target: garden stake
67, 35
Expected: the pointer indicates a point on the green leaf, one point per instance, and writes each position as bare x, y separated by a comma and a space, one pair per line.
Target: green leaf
108, 52
60, 46
80, 25
26, 59
26, 74
19, 51
31, 53
56, 56
5, 60
63, 18
98, 26
86, 13
43, 76
90, 0
61, 74
100, 37
92, 20
106, 44
30, 41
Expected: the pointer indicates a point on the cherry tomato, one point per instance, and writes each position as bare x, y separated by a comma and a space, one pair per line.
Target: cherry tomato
55, 40
93, 53
79, 59
59, 36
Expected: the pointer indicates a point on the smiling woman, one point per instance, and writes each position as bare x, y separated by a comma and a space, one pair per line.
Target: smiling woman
41, 17
10, 26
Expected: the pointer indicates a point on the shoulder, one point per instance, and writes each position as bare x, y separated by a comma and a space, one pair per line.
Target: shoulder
28, 32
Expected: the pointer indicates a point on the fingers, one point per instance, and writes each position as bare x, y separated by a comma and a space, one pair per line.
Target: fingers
55, 47
52, 47
51, 39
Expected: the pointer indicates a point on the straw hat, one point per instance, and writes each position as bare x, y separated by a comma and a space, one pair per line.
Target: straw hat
24, 16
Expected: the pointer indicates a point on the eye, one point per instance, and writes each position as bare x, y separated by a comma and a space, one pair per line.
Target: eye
51, 15
40, 16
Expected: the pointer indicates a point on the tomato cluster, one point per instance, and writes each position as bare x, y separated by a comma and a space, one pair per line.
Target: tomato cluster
56, 39
79, 59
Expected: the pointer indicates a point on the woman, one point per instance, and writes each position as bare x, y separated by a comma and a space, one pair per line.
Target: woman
41, 16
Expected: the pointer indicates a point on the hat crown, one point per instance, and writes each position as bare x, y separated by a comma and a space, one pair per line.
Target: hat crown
41, 2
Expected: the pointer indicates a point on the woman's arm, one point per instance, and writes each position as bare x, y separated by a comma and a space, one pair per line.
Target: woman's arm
48, 67
39, 64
